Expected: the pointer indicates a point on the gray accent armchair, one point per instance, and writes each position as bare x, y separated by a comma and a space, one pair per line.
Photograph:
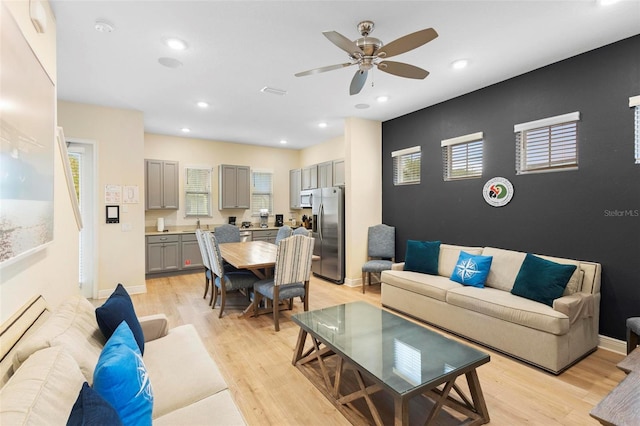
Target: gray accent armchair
381, 251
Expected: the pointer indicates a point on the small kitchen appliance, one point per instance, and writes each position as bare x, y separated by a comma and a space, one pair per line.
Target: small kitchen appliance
264, 216
279, 220
246, 224
232, 220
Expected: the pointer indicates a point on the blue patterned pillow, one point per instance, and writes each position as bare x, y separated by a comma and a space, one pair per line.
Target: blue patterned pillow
471, 269
422, 256
121, 378
117, 308
90, 409
542, 280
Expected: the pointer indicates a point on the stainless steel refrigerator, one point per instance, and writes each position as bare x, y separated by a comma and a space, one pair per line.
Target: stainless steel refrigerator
327, 208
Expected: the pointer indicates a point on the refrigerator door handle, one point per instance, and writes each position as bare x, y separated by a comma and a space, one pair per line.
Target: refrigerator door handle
320, 220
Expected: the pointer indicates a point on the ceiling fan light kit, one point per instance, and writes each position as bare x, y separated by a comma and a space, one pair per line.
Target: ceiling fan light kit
368, 52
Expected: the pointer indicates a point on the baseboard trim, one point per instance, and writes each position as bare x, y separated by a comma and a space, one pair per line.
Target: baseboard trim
353, 282
611, 344
137, 289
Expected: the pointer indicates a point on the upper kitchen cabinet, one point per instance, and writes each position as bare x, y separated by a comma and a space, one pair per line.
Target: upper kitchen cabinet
310, 177
325, 174
295, 184
161, 183
235, 187
338, 173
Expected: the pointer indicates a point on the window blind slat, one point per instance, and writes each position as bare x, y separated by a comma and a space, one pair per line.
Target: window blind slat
197, 189
406, 168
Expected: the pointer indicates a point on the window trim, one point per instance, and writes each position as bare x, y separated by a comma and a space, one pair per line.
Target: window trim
545, 123
634, 102
254, 211
208, 191
397, 157
447, 145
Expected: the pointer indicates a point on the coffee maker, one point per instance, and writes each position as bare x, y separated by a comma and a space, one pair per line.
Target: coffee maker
279, 220
264, 216
232, 220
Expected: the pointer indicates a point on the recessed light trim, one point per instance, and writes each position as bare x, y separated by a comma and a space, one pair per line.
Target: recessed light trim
460, 64
382, 98
202, 104
283, 142
362, 106
103, 26
322, 125
170, 62
175, 43
185, 130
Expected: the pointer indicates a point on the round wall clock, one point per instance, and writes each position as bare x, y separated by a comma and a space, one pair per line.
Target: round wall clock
497, 192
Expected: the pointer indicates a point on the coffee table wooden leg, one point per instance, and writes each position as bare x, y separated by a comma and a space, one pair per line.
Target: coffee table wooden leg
477, 396
297, 353
401, 412
337, 379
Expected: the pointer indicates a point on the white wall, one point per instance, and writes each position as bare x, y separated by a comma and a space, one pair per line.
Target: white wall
119, 140
53, 271
332, 149
209, 153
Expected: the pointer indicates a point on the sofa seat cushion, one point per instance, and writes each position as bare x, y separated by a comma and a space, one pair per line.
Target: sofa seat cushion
43, 390
180, 370
215, 409
73, 326
508, 307
433, 286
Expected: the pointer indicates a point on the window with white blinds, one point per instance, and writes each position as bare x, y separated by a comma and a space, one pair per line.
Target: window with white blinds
634, 102
462, 157
547, 144
197, 188
261, 192
406, 166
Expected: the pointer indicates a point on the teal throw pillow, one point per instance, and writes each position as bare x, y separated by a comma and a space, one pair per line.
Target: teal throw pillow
90, 409
471, 270
122, 380
116, 309
422, 256
542, 280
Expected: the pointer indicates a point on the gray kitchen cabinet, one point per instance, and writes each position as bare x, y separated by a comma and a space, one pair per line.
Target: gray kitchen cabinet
310, 177
268, 235
191, 255
161, 183
325, 174
163, 253
234, 187
338, 173
295, 185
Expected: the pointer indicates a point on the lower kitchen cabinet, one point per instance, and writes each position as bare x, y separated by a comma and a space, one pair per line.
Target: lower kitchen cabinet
191, 256
268, 235
172, 253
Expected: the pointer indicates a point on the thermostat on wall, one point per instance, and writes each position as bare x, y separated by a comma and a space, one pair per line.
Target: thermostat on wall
113, 214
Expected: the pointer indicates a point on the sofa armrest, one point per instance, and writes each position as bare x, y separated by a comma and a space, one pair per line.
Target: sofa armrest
576, 306
397, 266
154, 326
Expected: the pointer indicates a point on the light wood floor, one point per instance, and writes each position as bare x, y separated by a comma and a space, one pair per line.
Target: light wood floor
256, 363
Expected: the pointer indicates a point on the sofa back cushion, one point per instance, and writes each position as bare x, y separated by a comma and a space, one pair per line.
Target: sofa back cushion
449, 255
575, 282
43, 390
73, 326
504, 267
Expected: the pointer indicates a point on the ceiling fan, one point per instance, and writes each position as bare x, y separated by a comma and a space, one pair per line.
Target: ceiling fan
367, 52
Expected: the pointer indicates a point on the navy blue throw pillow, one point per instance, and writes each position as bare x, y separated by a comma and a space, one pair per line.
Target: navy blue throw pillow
422, 256
116, 309
90, 409
542, 280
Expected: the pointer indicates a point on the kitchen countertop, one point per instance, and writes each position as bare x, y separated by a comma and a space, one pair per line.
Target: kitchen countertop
152, 230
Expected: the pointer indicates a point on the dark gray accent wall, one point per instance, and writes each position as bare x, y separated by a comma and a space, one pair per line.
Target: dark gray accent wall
587, 214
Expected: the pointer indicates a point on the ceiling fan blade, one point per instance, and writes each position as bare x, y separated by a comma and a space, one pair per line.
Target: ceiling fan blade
357, 83
323, 69
342, 42
408, 42
402, 70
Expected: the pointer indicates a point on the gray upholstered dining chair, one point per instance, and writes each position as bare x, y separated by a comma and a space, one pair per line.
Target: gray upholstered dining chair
205, 261
283, 232
223, 281
633, 331
381, 251
301, 230
227, 234
290, 278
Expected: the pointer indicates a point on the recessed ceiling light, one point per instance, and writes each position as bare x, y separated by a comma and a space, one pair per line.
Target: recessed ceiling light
322, 125
382, 98
283, 142
185, 130
103, 26
273, 91
170, 62
362, 106
459, 64
202, 104
175, 43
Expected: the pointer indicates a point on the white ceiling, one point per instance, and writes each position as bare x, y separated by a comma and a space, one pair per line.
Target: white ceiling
238, 47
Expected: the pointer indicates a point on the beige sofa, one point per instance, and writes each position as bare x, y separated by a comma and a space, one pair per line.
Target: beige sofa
47, 356
552, 338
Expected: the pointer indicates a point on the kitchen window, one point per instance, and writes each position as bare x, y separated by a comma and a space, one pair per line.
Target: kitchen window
550, 144
406, 166
197, 190
462, 157
634, 102
261, 192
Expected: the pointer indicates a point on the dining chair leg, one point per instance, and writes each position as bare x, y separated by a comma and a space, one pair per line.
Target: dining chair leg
276, 307
364, 275
223, 299
305, 300
206, 286
214, 295
257, 298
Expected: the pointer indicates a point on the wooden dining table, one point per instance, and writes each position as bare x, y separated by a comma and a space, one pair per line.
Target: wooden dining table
258, 257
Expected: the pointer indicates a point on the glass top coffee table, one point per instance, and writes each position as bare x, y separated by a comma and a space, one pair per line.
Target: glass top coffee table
389, 353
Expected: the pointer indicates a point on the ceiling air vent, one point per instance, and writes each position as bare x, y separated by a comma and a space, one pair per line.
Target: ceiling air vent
273, 91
